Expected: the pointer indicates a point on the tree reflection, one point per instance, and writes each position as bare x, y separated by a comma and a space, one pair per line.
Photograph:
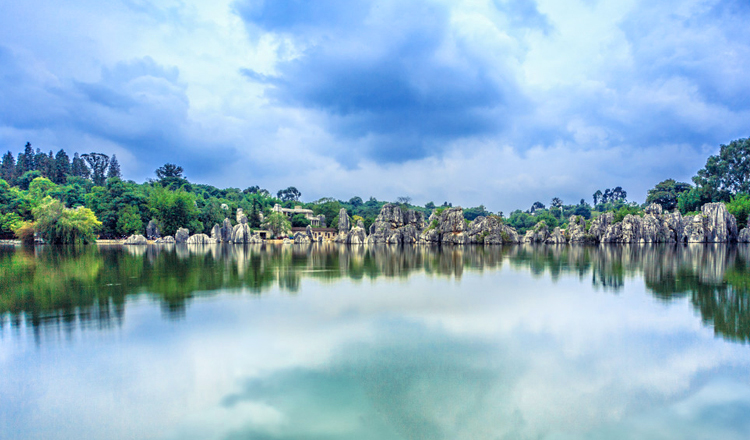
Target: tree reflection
66, 287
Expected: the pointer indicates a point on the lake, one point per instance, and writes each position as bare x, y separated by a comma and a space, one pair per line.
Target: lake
336, 342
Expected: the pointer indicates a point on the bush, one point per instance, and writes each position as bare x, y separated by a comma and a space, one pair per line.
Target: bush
625, 210
60, 225
739, 207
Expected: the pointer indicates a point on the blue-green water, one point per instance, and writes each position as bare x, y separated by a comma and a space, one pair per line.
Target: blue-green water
327, 342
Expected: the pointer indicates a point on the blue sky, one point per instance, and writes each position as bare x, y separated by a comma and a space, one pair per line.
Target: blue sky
498, 102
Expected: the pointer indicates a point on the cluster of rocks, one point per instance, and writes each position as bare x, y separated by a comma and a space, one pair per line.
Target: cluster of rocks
447, 226
224, 233
394, 226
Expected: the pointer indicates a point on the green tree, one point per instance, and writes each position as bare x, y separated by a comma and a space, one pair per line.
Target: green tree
129, 221
174, 210
25, 162
61, 168
290, 194
114, 168
60, 225
739, 207
278, 224
79, 168
98, 163
666, 192
729, 171
300, 221
8, 168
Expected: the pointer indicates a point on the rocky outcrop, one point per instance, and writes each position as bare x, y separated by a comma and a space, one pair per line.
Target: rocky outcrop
600, 225
556, 237
136, 240
241, 234
446, 227
216, 233
744, 236
226, 231
357, 235
538, 234
491, 230
181, 236
714, 225
344, 221
241, 217
200, 239
395, 226
152, 230
654, 226
165, 240
302, 238
360, 224
577, 231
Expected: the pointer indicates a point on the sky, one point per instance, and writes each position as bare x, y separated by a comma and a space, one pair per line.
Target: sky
493, 102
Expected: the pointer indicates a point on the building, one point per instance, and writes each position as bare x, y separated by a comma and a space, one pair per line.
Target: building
316, 221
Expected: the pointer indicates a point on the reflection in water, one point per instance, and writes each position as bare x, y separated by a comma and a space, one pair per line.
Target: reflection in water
88, 286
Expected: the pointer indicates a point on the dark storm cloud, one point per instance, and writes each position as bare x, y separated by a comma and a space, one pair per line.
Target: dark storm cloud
382, 73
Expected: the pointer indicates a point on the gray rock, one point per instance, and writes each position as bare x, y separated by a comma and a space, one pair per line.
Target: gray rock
744, 236
152, 230
136, 240
200, 239
714, 225
538, 234
356, 236
302, 238
216, 233
599, 226
224, 206
556, 237
344, 222
308, 232
226, 231
577, 231
241, 234
181, 236
165, 240
360, 224
394, 226
241, 217
491, 230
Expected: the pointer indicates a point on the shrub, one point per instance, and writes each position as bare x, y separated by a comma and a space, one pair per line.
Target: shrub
740, 208
60, 225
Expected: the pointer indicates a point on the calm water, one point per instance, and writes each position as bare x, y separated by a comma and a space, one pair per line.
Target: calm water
327, 342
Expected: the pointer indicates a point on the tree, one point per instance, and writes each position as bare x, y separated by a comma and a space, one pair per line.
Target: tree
403, 200
290, 194
558, 203
597, 197
8, 168
60, 225
300, 221
114, 168
429, 205
98, 163
169, 170
536, 206
729, 171
129, 221
61, 168
666, 192
78, 167
356, 202
739, 207
278, 224
174, 210
25, 162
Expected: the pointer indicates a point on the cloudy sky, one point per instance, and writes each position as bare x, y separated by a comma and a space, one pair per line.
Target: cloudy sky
498, 102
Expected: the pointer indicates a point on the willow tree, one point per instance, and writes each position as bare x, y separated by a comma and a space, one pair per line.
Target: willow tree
57, 224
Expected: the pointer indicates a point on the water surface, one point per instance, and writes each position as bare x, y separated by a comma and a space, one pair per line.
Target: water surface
336, 342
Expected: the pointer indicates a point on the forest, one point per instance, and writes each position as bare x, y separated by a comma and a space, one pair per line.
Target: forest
78, 200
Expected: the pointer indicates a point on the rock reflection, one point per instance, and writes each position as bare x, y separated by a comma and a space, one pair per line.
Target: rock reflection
66, 287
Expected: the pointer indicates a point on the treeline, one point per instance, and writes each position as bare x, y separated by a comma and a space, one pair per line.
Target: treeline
85, 197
